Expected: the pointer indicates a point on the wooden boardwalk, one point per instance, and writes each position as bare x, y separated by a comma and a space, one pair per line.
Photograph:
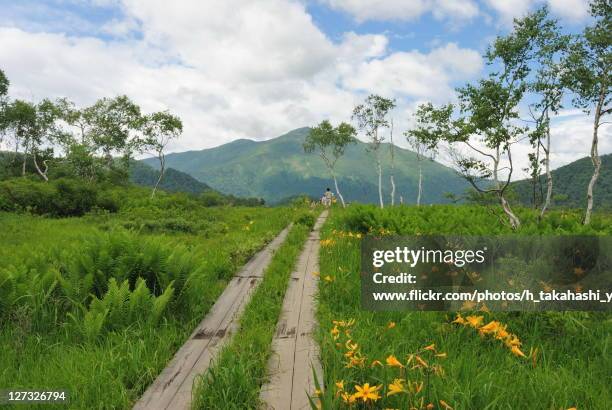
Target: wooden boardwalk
295, 354
173, 387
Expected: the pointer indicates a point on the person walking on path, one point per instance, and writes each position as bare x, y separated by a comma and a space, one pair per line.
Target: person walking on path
328, 197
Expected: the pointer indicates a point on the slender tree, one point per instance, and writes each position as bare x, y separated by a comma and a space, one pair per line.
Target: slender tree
423, 152
4, 86
20, 123
587, 74
330, 142
548, 87
392, 162
114, 124
159, 129
47, 134
484, 123
371, 117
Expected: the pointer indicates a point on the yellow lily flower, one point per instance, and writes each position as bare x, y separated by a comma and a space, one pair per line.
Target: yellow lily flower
367, 392
517, 352
475, 321
396, 387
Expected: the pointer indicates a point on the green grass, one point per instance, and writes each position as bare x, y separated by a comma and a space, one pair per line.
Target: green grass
573, 361
240, 370
56, 276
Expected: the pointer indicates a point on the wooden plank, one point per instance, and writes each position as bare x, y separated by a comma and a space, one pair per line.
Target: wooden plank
294, 353
173, 387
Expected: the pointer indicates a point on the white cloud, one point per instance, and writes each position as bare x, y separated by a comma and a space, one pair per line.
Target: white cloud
415, 74
570, 10
507, 10
574, 10
238, 69
403, 10
234, 69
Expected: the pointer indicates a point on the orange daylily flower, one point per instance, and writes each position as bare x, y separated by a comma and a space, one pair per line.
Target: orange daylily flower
393, 362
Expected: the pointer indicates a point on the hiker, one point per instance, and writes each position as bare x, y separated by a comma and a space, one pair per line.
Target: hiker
327, 197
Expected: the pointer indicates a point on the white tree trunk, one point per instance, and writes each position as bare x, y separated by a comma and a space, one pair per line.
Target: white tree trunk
515, 222
380, 195
420, 185
594, 158
392, 190
392, 148
338, 191
549, 180
43, 174
162, 166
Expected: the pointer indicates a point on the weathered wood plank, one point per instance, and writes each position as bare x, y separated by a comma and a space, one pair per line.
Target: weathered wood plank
173, 387
295, 353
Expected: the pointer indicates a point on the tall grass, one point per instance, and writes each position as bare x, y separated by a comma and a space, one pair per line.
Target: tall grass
99, 304
571, 361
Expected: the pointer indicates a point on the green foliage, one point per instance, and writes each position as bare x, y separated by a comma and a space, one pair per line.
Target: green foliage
325, 137
173, 181
371, 116
306, 218
61, 197
4, 84
478, 374
108, 306
465, 220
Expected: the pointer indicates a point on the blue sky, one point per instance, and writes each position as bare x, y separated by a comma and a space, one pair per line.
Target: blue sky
256, 69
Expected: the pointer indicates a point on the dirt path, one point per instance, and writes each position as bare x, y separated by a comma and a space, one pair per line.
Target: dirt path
172, 388
295, 353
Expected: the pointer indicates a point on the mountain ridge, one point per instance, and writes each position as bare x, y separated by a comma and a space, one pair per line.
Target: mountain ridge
570, 184
278, 168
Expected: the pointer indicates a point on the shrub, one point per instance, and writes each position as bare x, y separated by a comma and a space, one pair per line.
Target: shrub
306, 219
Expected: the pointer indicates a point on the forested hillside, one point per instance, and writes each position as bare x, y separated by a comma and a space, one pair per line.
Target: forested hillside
569, 185
279, 168
173, 181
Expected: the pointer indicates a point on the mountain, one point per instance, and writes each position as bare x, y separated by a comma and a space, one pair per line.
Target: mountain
570, 184
173, 180
278, 168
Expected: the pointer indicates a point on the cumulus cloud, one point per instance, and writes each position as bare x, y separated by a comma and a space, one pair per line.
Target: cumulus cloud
414, 74
570, 10
234, 69
574, 10
404, 10
455, 11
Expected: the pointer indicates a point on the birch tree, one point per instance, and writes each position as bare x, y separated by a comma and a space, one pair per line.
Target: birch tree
4, 86
423, 152
159, 129
330, 142
45, 134
20, 123
114, 124
548, 87
371, 118
587, 74
392, 154
485, 121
